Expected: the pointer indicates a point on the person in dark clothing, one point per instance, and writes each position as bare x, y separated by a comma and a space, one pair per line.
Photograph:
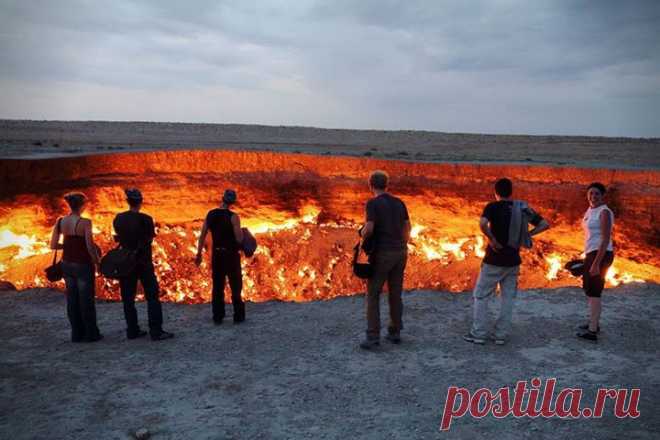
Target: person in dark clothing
225, 227
499, 221
80, 255
387, 227
135, 231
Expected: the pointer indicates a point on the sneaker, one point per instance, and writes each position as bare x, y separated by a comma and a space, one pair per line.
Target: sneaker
139, 334
369, 344
394, 338
238, 320
586, 327
588, 335
161, 336
217, 321
475, 340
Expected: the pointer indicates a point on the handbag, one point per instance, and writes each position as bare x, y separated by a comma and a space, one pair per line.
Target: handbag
54, 272
361, 270
575, 267
118, 263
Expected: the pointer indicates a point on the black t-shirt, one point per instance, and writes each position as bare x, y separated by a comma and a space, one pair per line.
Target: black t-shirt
499, 216
219, 223
389, 215
135, 231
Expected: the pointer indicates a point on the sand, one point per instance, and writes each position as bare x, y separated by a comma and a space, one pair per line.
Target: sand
294, 370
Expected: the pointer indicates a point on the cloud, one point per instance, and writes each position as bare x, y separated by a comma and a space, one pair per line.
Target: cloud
503, 66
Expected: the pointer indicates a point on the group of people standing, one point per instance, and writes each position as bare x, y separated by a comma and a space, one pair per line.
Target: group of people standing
385, 237
505, 223
135, 231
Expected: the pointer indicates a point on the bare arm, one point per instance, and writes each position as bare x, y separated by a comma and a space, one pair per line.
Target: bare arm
238, 232
55, 236
485, 229
200, 243
368, 230
89, 241
606, 232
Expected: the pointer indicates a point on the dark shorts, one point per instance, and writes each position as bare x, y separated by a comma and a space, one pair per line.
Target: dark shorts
593, 285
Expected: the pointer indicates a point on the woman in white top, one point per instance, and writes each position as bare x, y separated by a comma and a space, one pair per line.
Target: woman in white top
597, 224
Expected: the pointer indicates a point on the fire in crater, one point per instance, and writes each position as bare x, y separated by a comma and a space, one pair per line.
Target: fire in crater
305, 211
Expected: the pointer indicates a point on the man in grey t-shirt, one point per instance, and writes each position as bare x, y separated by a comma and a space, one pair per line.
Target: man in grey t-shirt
388, 228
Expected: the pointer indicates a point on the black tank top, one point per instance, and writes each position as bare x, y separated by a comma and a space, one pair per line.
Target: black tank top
219, 223
75, 248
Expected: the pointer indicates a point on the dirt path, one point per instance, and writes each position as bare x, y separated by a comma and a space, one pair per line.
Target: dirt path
294, 371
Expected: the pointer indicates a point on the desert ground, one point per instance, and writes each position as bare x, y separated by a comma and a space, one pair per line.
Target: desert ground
52, 138
294, 370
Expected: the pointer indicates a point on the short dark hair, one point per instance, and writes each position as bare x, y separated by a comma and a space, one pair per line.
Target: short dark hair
504, 187
229, 197
133, 197
378, 180
75, 200
599, 186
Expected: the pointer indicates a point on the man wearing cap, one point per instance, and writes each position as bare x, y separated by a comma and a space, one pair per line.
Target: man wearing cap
135, 230
225, 227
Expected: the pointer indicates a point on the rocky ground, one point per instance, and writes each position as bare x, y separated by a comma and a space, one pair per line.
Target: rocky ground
294, 370
56, 138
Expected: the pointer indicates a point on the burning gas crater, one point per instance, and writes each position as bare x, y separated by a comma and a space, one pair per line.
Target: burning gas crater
305, 212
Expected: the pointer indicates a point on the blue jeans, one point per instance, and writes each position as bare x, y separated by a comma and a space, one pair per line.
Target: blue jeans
80, 301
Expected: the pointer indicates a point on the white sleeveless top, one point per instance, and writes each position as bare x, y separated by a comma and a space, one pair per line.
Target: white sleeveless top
591, 225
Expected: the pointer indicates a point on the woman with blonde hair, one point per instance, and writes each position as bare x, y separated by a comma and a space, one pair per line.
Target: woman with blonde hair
79, 257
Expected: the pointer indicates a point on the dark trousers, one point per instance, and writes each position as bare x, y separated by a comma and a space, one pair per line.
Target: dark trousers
128, 285
388, 266
227, 265
80, 301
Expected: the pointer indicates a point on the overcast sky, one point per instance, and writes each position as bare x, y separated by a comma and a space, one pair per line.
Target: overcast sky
499, 66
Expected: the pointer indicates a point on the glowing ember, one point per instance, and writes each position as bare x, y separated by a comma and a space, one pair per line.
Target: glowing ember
27, 245
554, 265
613, 278
305, 212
